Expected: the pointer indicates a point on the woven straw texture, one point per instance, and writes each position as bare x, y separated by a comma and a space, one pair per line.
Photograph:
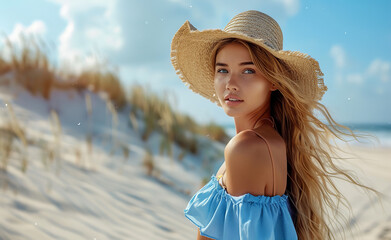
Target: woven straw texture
191, 54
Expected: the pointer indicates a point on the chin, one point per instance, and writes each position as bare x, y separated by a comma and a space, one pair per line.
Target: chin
231, 112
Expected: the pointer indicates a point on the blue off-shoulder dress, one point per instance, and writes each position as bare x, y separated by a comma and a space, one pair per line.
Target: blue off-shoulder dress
222, 216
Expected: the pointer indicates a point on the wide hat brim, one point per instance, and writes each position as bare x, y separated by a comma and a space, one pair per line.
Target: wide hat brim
191, 57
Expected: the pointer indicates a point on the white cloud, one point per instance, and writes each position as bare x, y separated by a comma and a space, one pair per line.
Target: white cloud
339, 56
92, 29
138, 32
291, 6
356, 78
281, 8
36, 29
380, 69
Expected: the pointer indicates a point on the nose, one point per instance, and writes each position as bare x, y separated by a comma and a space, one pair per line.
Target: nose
232, 84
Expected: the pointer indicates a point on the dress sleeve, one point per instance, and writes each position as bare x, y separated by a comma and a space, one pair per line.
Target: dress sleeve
221, 216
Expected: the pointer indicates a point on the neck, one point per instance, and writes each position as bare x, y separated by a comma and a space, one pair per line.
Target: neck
261, 119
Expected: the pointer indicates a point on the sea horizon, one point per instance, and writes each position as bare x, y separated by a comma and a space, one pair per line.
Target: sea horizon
381, 130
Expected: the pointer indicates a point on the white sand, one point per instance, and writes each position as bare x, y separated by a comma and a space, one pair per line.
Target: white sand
100, 196
372, 166
103, 196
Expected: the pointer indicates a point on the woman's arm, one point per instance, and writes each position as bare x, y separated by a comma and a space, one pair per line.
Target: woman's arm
199, 237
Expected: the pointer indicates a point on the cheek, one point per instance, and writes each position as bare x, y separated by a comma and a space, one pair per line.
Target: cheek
218, 84
258, 91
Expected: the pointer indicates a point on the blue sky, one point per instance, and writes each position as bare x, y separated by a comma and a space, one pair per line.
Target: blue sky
350, 39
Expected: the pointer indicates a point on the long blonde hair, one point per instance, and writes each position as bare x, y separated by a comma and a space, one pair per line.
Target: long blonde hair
310, 186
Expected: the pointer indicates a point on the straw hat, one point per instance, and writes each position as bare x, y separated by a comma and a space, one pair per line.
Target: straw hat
191, 53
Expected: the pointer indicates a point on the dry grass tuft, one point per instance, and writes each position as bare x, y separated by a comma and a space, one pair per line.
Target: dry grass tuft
30, 65
57, 131
6, 141
158, 115
14, 131
148, 162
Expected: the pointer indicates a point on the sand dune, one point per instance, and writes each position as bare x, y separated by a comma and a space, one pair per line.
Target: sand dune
104, 196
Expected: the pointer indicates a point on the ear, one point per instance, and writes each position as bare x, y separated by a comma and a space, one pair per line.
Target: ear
273, 87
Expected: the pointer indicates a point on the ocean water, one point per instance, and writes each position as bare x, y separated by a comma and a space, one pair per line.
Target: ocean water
381, 131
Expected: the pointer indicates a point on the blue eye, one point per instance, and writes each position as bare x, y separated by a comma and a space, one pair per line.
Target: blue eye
251, 71
220, 70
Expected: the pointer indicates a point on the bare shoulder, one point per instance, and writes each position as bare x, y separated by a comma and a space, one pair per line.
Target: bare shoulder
248, 165
254, 142
249, 162
245, 143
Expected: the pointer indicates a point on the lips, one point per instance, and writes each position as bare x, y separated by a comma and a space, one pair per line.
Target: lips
227, 100
233, 103
232, 96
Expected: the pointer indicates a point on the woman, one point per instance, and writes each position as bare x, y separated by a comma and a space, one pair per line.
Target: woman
276, 181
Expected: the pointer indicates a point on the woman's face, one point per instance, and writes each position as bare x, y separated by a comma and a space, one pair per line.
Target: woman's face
235, 73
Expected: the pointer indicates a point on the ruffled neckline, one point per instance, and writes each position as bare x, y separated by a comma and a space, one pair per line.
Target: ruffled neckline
248, 197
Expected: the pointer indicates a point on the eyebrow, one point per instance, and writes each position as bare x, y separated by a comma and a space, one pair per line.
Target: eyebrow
241, 64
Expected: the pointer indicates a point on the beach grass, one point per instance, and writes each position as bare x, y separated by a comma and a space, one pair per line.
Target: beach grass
29, 66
